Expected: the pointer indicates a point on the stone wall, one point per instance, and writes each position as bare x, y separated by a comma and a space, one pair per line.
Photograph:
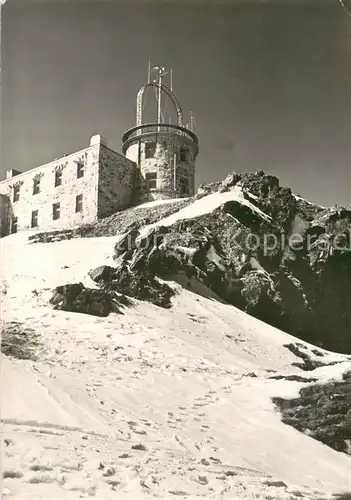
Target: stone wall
65, 194
116, 182
168, 145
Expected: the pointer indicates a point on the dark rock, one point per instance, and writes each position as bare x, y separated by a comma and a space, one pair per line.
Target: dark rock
303, 289
20, 342
319, 413
276, 484
261, 297
139, 446
51, 236
76, 298
142, 285
208, 188
317, 353
231, 180
242, 213
230, 473
293, 378
101, 273
308, 363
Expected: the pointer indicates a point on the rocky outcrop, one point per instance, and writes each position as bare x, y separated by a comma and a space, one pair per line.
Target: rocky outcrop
273, 254
118, 223
51, 236
75, 297
285, 261
134, 281
322, 412
136, 217
102, 274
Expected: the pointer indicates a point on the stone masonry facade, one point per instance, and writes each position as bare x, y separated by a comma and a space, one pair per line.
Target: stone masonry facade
70, 191
172, 164
116, 183
96, 182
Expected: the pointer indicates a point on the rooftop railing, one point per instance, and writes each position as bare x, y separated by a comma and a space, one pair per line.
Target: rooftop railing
157, 128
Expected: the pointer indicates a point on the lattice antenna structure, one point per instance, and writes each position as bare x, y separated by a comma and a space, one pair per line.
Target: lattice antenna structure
156, 76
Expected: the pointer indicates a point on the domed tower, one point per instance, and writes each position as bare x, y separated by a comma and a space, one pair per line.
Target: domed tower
164, 152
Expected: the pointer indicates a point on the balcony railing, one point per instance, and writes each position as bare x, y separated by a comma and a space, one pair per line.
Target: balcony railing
156, 128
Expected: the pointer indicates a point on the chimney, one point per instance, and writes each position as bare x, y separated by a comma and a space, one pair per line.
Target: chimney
98, 139
12, 173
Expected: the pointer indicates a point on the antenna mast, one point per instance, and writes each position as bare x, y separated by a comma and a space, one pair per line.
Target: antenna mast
192, 120
149, 72
161, 73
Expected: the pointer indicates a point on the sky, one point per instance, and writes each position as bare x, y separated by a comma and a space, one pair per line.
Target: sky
269, 83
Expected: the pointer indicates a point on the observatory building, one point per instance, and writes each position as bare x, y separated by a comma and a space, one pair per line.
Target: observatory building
158, 162
165, 153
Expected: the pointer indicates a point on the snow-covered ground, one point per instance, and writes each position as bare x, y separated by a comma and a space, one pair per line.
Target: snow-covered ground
299, 198
153, 402
156, 203
205, 205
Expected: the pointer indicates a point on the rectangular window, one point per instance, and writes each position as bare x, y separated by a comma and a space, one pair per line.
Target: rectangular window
79, 203
36, 186
183, 154
184, 185
150, 149
80, 169
151, 179
58, 178
14, 225
34, 222
56, 211
16, 193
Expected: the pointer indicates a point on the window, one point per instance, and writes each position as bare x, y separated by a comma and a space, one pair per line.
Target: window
150, 149
34, 222
80, 169
16, 193
184, 185
58, 178
36, 186
56, 211
151, 179
14, 225
183, 154
79, 203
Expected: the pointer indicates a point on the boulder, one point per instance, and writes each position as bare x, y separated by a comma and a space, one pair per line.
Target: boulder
102, 273
231, 180
75, 297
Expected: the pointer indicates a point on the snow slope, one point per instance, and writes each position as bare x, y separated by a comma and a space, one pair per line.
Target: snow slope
154, 402
156, 203
205, 205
